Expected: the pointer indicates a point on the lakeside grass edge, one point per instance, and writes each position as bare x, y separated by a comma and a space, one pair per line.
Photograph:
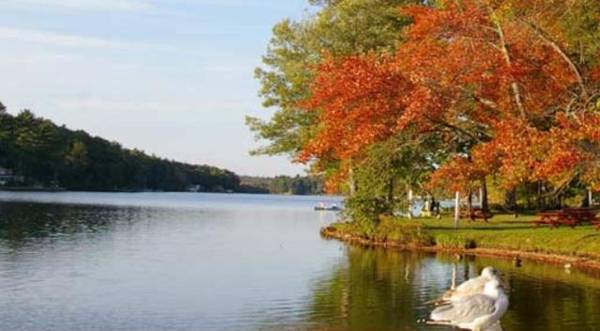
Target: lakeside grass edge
576, 248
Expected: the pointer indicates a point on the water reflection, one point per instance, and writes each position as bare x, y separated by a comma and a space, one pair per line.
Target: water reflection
218, 262
27, 223
378, 289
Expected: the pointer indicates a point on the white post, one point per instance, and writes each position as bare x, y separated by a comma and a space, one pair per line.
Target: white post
426, 208
457, 210
590, 198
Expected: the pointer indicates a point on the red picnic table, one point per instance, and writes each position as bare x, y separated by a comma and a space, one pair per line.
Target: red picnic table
568, 216
476, 213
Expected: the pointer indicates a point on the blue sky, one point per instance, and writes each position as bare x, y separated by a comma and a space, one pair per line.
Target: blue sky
171, 77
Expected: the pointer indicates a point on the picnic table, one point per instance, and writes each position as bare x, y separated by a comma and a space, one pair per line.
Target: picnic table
476, 213
568, 216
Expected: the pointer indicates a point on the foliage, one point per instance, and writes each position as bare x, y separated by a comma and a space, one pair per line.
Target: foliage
390, 230
385, 175
51, 155
411, 234
508, 94
338, 28
366, 211
454, 241
297, 185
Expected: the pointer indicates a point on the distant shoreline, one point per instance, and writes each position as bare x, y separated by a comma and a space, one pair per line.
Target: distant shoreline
63, 190
32, 189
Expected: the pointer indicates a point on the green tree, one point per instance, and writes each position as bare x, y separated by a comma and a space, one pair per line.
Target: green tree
339, 28
47, 154
78, 154
387, 173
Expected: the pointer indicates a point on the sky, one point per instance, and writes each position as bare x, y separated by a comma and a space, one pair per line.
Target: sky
171, 77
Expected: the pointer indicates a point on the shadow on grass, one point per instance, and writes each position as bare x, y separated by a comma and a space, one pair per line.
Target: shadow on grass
481, 228
524, 226
514, 222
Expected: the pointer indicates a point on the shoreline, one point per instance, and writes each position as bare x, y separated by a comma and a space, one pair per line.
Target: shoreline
64, 190
575, 262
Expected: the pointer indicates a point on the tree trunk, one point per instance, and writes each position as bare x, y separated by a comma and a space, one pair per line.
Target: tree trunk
510, 201
485, 206
470, 201
390, 195
351, 180
541, 203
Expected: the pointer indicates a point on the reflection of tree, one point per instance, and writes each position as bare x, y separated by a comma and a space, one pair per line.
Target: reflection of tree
550, 305
372, 291
24, 223
375, 289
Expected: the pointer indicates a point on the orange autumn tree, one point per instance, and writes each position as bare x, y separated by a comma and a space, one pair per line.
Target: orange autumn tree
487, 77
500, 73
359, 96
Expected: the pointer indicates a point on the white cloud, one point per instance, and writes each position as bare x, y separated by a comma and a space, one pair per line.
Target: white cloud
58, 39
105, 5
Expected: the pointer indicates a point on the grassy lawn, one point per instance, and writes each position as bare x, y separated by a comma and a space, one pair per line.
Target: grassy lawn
502, 232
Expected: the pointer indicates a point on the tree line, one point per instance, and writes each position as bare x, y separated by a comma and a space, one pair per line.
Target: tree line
498, 98
48, 155
297, 185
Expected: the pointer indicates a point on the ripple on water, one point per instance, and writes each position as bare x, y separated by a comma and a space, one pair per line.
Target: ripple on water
227, 262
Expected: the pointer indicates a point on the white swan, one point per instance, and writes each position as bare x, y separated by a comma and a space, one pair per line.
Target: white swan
472, 286
477, 312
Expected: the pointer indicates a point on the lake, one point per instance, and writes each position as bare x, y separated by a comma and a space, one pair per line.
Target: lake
191, 261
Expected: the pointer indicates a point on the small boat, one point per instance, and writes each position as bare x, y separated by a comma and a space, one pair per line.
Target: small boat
323, 207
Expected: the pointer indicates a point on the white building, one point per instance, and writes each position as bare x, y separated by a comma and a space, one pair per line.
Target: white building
7, 176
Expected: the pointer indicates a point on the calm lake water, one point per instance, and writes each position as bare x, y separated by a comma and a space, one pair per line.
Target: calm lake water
161, 261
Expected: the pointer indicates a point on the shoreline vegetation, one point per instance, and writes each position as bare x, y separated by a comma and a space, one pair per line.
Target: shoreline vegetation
504, 236
36, 154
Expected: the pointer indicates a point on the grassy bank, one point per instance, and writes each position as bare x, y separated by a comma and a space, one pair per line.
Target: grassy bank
503, 235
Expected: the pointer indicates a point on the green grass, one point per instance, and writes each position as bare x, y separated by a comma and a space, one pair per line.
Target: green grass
502, 232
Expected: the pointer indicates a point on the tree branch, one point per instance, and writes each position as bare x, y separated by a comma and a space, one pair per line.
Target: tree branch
548, 40
514, 86
460, 130
504, 50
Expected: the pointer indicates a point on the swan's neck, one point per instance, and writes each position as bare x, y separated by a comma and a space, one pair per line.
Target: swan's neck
501, 306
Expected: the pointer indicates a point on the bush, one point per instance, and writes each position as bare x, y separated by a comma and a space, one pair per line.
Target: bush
402, 232
389, 230
366, 212
454, 241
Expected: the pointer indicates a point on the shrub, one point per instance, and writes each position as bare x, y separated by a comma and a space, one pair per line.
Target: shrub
402, 232
366, 212
454, 241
